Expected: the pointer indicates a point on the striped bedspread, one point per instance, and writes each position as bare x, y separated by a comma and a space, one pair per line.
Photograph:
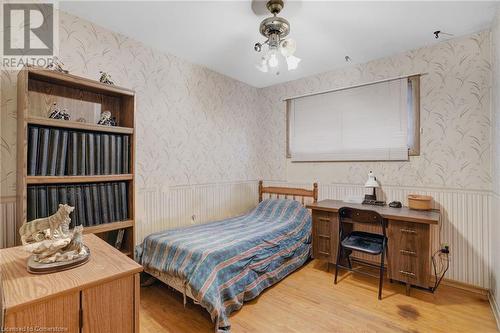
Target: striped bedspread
231, 261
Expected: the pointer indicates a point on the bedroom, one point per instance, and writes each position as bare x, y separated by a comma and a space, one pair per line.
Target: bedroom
416, 85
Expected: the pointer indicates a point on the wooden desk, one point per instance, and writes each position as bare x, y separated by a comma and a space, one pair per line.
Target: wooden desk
100, 296
409, 252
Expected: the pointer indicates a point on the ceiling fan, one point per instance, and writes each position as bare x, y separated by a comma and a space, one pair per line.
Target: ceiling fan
276, 46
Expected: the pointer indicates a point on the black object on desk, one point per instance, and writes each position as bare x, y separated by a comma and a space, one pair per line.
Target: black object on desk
373, 202
395, 204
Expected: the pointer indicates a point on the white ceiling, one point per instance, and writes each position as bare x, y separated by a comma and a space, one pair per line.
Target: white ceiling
220, 34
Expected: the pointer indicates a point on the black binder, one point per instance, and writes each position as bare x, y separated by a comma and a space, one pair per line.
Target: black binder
80, 206
112, 151
41, 209
116, 198
119, 152
72, 202
62, 194
96, 204
90, 154
82, 153
53, 151
103, 196
53, 202
111, 202
43, 152
62, 155
32, 150
87, 199
32, 201
98, 155
123, 200
105, 154
126, 154
73, 154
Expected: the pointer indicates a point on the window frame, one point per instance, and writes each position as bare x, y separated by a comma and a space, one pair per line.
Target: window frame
413, 118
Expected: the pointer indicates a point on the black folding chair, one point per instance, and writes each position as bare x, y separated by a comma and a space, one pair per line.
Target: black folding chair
360, 241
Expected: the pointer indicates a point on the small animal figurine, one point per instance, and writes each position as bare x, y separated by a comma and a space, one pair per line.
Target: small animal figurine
105, 78
55, 113
106, 119
56, 65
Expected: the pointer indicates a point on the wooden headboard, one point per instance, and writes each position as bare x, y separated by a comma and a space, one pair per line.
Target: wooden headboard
287, 192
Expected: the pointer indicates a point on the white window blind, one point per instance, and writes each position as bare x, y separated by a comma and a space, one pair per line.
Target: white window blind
368, 123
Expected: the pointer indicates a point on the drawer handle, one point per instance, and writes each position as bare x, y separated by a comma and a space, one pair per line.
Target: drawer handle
408, 231
410, 274
413, 253
324, 219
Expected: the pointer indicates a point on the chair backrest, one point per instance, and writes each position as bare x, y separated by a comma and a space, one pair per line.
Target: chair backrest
361, 216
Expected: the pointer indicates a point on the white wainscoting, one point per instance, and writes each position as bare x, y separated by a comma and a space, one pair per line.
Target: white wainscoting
7, 222
163, 209
466, 216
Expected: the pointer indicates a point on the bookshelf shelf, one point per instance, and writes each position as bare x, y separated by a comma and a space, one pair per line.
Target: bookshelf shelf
77, 125
31, 180
105, 227
73, 81
95, 197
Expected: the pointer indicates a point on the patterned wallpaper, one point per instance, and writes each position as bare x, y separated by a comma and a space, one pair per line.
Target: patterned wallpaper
455, 117
194, 125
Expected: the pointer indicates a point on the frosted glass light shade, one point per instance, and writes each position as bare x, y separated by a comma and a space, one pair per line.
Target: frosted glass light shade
371, 182
292, 62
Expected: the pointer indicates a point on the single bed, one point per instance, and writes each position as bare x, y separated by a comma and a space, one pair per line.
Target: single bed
224, 263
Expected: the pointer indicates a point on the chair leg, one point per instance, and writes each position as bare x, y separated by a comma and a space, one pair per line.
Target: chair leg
349, 261
381, 281
339, 250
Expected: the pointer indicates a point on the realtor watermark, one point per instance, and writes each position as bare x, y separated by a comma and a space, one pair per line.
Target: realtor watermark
29, 35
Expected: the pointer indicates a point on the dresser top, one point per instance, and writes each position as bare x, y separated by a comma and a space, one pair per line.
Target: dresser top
21, 288
400, 214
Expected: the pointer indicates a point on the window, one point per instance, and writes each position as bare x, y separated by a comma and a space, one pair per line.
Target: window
372, 122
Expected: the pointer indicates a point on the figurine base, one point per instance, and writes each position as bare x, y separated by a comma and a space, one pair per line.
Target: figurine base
34, 267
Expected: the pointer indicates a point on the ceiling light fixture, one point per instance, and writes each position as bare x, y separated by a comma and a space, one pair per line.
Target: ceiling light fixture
275, 29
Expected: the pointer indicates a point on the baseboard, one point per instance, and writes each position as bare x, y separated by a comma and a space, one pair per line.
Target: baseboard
483, 292
495, 308
466, 287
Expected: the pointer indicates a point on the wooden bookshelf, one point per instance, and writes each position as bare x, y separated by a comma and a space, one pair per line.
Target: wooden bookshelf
84, 99
77, 179
105, 227
77, 125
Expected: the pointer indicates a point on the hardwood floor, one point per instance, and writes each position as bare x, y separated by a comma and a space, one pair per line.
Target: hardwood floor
308, 301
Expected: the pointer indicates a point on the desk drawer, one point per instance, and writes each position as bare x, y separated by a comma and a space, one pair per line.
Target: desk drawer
325, 234
409, 252
408, 269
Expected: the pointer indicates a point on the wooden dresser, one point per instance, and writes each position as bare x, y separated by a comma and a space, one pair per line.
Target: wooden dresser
408, 231
102, 296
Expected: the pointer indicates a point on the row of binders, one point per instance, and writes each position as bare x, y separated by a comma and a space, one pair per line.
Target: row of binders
94, 203
62, 152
